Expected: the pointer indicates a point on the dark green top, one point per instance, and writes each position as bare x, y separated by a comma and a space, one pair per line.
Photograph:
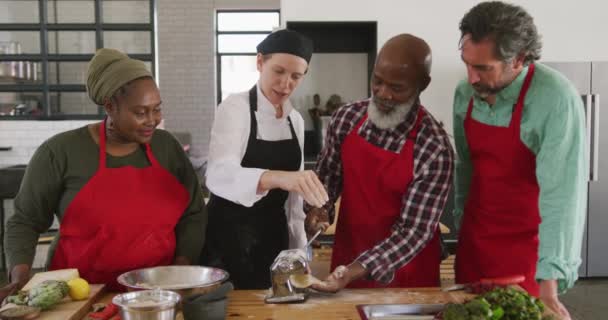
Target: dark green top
64, 164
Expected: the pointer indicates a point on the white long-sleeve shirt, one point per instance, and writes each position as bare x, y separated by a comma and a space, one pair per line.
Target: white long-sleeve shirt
226, 177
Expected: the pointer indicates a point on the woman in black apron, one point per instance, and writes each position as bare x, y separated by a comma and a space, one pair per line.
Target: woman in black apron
255, 168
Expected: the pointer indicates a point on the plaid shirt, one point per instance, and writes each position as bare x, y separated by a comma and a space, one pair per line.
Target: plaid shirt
422, 203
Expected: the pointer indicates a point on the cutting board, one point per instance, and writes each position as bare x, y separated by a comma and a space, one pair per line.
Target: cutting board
68, 309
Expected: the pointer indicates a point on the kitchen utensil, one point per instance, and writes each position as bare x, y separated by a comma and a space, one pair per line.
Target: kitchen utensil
185, 280
313, 237
487, 284
10, 47
287, 263
147, 305
12, 70
28, 70
399, 311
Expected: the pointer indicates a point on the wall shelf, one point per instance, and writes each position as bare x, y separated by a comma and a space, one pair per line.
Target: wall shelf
61, 69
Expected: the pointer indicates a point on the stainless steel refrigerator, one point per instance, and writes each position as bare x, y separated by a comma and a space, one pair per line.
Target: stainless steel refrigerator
591, 79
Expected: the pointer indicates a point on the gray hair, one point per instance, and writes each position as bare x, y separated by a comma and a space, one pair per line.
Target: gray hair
510, 26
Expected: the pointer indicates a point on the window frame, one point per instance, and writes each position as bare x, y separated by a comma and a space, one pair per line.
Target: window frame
45, 58
218, 55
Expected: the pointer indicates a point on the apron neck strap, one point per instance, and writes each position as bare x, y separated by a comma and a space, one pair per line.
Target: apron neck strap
253, 98
102, 148
469, 108
253, 107
519, 106
150, 156
102, 144
518, 110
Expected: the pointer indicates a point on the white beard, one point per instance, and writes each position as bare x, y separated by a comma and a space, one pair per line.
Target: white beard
391, 119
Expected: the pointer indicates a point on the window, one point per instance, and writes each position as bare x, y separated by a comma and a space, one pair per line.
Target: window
237, 35
45, 46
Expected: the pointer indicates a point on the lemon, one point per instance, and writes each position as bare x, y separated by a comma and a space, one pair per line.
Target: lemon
79, 289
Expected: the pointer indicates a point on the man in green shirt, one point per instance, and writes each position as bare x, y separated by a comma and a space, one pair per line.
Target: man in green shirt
521, 178
124, 192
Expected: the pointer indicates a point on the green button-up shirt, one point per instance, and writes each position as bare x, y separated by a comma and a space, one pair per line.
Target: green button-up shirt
553, 128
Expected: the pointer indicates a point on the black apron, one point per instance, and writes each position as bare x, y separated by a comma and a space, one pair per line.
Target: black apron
245, 240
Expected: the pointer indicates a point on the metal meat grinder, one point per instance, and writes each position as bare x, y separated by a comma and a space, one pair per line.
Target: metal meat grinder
287, 263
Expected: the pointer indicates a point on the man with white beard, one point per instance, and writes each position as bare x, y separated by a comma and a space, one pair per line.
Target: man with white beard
391, 163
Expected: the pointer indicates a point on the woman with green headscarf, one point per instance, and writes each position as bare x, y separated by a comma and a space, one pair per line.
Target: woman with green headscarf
124, 192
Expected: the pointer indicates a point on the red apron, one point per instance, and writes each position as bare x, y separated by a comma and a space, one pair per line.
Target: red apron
374, 182
499, 234
122, 219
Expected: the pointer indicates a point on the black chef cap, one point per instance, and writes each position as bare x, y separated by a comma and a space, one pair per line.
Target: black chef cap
287, 41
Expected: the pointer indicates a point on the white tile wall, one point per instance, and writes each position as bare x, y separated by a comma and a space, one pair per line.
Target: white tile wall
25, 136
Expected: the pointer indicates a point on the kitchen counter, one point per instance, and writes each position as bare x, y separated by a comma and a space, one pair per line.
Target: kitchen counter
249, 304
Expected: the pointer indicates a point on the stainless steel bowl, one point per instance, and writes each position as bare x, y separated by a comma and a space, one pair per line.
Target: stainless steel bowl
185, 280
147, 305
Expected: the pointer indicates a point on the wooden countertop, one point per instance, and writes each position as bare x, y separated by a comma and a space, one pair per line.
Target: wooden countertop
249, 304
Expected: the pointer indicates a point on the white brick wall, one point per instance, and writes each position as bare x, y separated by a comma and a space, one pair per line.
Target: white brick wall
187, 63
186, 67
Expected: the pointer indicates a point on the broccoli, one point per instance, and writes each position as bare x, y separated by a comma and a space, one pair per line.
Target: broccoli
515, 304
497, 313
479, 307
455, 312
498, 304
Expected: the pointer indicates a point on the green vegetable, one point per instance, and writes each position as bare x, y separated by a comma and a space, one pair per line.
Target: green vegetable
20, 298
497, 313
479, 307
65, 289
516, 305
454, 311
498, 304
47, 294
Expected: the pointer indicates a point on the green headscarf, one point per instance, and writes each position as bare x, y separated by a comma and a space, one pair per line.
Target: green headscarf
109, 70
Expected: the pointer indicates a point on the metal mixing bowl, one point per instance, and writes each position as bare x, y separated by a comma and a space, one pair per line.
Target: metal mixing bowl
185, 280
147, 305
